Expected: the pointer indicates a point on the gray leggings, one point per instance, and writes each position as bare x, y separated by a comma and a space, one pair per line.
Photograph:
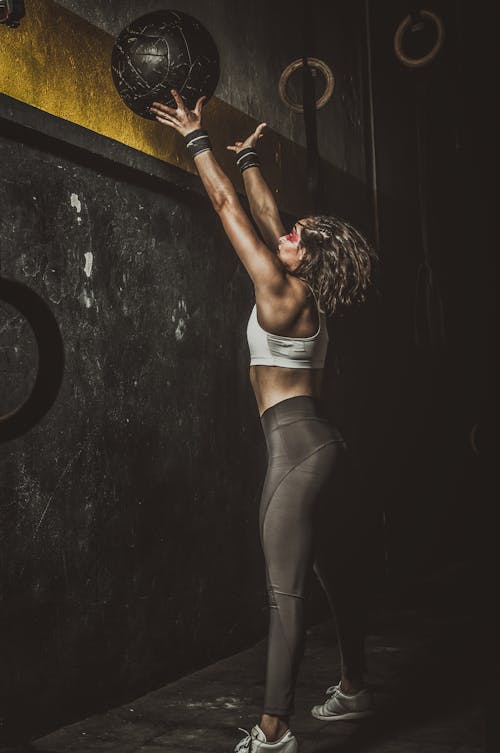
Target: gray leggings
303, 450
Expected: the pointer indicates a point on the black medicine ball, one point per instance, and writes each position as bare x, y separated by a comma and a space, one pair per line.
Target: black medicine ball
160, 51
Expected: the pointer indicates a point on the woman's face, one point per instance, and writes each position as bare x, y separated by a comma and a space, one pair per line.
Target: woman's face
290, 252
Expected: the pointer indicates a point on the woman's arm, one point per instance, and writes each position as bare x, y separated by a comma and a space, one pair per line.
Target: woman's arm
263, 266
260, 197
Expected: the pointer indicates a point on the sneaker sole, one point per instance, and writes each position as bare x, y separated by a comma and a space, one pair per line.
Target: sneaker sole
341, 717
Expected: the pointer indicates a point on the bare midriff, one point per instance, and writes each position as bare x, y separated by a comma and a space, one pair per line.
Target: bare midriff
272, 384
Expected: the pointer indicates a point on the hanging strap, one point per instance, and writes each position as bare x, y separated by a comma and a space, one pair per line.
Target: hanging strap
427, 283
313, 166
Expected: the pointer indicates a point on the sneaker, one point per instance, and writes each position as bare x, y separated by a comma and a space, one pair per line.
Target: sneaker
256, 742
342, 706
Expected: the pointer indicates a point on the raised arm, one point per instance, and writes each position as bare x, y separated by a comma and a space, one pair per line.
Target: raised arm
263, 266
260, 197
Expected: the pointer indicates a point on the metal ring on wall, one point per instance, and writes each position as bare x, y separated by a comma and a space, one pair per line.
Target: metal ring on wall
398, 40
473, 439
50, 358
316, 64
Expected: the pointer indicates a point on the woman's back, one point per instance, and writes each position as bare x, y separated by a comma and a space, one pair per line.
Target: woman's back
287, 357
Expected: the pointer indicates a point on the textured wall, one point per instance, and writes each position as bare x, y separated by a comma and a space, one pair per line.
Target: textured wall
121, 507
129, 548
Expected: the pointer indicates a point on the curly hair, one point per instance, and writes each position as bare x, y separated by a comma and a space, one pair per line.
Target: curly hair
338, 264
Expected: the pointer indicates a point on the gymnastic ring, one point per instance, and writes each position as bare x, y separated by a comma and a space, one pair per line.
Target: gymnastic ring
50, 359
398, 40
314, 63
473, 439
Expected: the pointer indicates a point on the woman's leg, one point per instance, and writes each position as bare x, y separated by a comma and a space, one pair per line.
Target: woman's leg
339, 563
302, 455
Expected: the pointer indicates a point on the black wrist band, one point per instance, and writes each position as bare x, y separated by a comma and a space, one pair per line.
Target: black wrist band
197, 142
246, 158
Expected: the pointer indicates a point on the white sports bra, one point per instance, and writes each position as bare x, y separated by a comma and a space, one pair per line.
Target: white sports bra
267, 349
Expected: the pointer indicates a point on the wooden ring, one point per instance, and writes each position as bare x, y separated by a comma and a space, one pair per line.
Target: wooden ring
399, 35
317, 65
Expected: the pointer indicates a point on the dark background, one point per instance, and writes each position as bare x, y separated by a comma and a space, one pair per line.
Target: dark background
129, 544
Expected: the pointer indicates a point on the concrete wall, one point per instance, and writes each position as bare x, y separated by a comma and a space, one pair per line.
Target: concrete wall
122, 508
130, 549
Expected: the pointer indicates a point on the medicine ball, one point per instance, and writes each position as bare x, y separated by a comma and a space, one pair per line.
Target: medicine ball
161, 51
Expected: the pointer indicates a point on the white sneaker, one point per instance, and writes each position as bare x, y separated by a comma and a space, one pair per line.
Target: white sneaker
343, 706
256, 742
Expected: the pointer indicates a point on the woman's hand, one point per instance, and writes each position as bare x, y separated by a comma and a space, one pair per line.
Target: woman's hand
181, 119
250, 141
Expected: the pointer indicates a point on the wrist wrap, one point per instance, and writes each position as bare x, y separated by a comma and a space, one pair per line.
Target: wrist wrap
197, 142
246, 158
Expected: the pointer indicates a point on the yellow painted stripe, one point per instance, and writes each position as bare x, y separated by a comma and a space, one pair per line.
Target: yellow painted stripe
60, 63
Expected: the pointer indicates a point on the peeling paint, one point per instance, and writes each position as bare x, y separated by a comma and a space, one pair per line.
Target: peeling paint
88, 263
85, 299
181, 316
180, 330
76, 203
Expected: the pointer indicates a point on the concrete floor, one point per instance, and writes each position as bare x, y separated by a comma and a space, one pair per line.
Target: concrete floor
419, 666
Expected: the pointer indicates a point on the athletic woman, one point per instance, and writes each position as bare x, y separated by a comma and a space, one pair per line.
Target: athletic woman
299, 277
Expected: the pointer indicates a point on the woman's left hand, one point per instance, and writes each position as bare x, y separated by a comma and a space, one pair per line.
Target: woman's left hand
181, 119
250, 140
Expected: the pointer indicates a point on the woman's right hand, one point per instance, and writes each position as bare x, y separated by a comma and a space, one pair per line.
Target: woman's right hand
183, 120
250, 140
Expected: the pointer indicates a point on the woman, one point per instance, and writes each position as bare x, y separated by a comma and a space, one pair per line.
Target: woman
298, 277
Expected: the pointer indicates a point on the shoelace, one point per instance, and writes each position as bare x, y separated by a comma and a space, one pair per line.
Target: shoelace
245, 745
333, 689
